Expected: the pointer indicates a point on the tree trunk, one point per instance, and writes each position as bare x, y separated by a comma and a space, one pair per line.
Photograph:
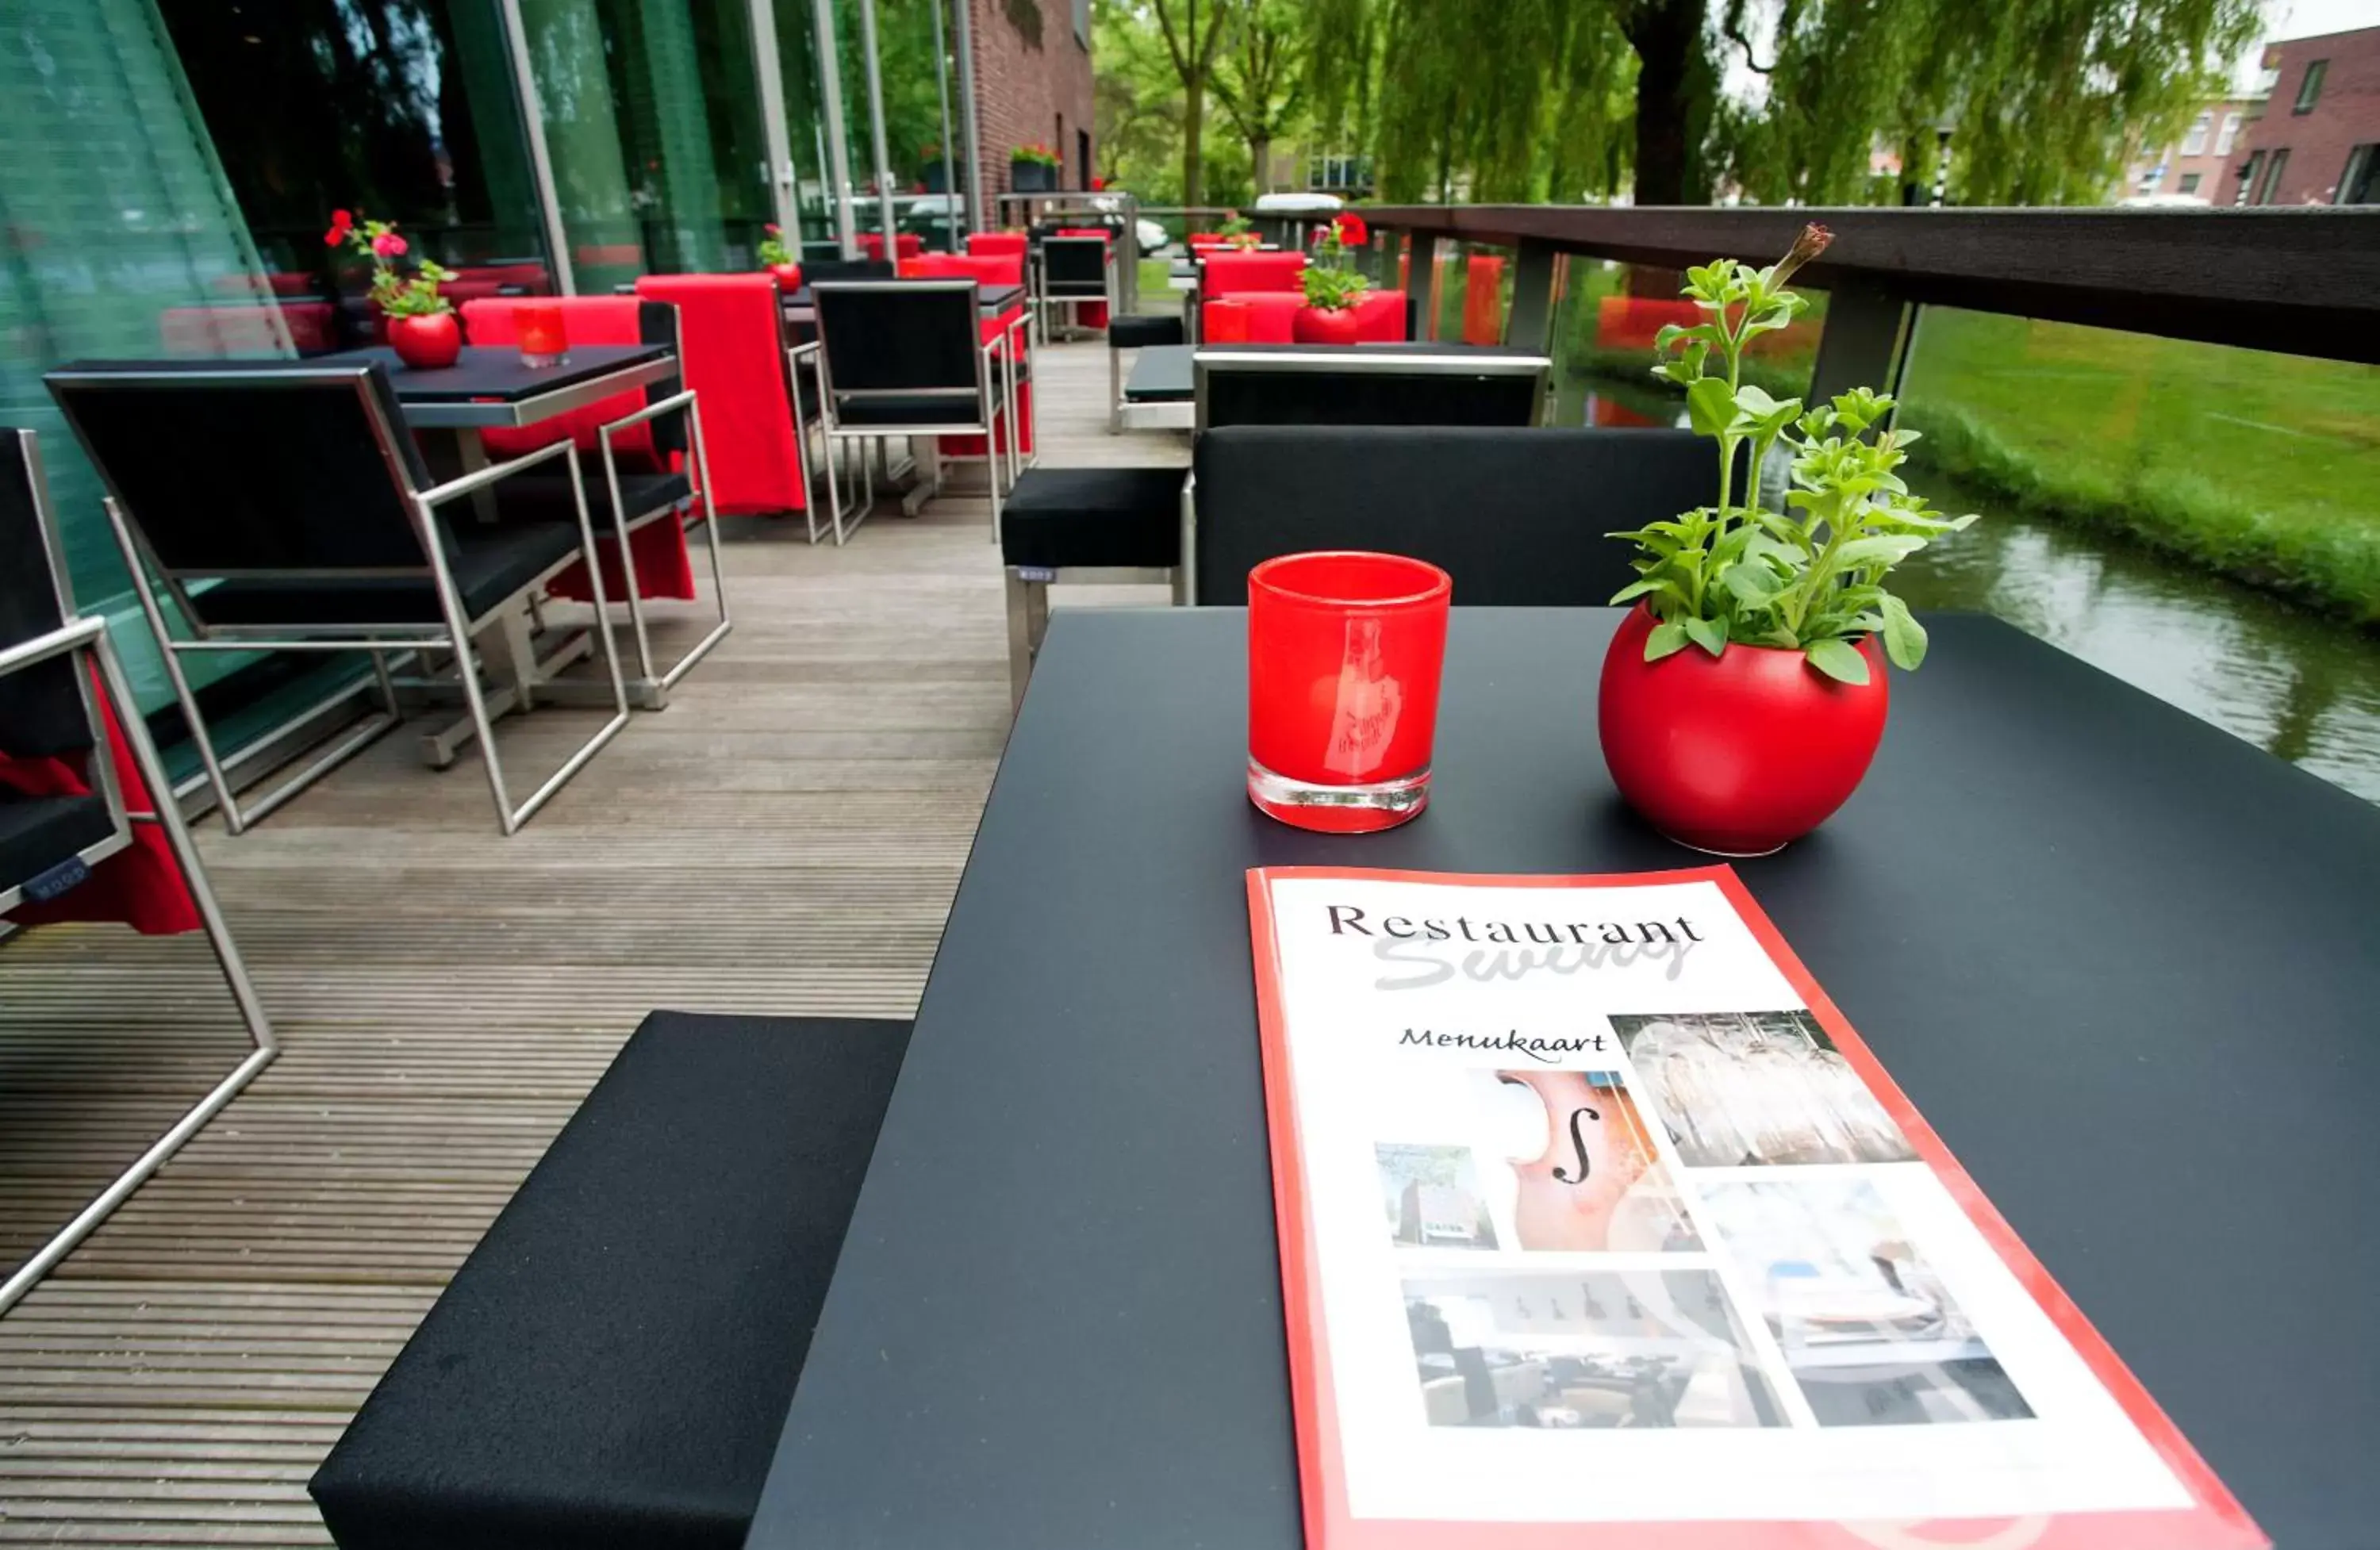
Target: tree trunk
1259, 153
1668, 37
1194, 120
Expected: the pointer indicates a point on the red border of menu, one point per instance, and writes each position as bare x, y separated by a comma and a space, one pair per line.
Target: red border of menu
2217, 1521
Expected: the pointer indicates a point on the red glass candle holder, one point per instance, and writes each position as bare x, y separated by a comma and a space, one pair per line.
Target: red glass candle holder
543, 340
1225, 323
1344, 654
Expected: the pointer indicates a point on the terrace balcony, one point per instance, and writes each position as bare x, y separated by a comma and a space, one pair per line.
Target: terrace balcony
788, 836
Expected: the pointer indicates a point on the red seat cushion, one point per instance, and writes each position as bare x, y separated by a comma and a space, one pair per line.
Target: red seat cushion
732, 353
989, 269
993, 245
1237, 273
585, 320
1380, 316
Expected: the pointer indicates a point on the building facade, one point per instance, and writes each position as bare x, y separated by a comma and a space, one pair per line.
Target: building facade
2317, 134
2199, 163
1033, 85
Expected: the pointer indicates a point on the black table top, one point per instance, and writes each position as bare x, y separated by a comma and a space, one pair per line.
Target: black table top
1162, 375
488, 386
2124, 963
994, 298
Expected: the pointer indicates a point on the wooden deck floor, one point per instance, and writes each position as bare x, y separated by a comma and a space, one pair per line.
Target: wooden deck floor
784, 838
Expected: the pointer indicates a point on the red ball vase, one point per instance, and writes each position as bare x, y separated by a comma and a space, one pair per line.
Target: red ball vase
1736, 754
789, 275
1323, 325
426, 341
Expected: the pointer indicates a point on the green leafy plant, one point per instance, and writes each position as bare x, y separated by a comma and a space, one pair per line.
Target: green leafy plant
398, 294
1036, 153
1809, 578
773, 248
1331, 281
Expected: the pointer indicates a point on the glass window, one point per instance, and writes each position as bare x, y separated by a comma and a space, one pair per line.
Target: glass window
2249, 176
2310, 88
2278, 164
2194, 142
1603, 331
401, 108
653, 121
2358, 184
2229, 136
2189, 183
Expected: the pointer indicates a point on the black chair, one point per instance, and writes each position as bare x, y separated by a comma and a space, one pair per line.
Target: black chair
646, 495
1074, 270
1517, 517
907, 357
285, 508
1369, 385
1128, 332
1091, 524
846, 269
612, 1365
48, 845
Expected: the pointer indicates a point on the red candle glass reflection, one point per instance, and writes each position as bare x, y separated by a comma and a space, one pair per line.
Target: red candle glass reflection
1225, 323
542, 340
1344, 652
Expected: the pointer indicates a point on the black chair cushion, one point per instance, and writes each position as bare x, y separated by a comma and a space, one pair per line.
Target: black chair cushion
613, 1363
1516, 516
1133, 332
910, 409
41, 709
491, 563
1058, 518
546, 497
38, 833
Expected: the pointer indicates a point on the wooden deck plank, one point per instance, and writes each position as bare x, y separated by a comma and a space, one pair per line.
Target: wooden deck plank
785, 838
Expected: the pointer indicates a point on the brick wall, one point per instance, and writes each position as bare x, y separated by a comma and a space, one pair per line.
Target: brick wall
1021, 89
2345, 115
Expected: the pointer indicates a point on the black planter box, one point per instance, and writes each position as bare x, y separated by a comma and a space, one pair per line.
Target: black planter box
933, 178
1032, 178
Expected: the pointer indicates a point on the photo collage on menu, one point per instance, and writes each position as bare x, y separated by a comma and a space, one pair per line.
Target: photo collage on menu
1695, 1237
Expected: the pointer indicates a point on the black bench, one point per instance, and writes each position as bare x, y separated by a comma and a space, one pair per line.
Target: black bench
1095, 523
613, 1363
1128, 330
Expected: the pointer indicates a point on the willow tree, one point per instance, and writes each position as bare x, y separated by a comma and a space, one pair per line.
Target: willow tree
2042, 101
2045, 97
1259, 78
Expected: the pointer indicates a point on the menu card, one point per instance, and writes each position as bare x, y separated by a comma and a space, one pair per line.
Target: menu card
1600, 1228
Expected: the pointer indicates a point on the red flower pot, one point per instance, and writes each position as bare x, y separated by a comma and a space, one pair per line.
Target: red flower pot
1736, 754
789, 275
426, 341
1319, 325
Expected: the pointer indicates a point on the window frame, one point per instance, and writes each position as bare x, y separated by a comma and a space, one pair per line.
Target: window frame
2189, 183
2310, 86
2276, 165
2227, 134
2250, 176
2193, 140
2362, 161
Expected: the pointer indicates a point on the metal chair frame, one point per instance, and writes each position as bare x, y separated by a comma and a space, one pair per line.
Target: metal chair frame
85, 638
454, 635
660, 684
990, 404
1044, 299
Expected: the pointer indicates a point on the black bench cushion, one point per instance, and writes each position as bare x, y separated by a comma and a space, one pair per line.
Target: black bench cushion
1130, 332
38, 833
546, 497
492, 562
913, 408
1057, 517
613, 1363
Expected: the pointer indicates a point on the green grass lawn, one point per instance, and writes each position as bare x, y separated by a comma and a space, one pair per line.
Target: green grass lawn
2263, 466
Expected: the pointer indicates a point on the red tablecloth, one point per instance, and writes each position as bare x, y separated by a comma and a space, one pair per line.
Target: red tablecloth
141, 886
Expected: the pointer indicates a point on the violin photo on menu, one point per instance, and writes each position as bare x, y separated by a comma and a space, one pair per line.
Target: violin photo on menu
1601, 1228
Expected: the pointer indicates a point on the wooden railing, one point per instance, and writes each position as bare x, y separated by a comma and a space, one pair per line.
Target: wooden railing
2302, 281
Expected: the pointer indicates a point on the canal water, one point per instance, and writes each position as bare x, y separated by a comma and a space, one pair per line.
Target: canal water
2303, 686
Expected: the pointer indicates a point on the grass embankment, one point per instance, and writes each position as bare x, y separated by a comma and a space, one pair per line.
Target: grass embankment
2263, 468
